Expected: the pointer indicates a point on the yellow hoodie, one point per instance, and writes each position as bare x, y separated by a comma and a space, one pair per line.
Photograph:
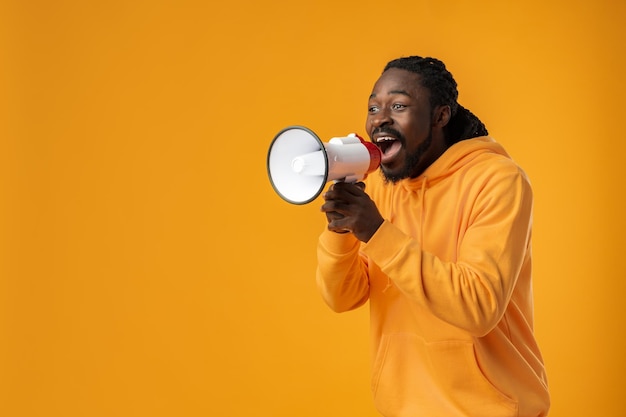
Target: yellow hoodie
448, 277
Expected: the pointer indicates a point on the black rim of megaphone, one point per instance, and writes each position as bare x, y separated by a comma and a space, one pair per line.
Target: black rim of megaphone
269, 173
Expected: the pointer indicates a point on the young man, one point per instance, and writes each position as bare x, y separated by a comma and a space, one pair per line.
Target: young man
440, 245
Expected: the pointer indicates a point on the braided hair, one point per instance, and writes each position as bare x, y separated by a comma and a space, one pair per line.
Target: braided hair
443, 92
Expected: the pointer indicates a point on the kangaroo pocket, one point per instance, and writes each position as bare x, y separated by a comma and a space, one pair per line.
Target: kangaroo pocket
411, 377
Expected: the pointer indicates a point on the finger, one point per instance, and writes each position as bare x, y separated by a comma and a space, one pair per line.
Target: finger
336, 206
339, 226
333, 216
345, 191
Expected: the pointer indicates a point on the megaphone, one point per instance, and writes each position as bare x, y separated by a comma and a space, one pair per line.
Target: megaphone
299, 164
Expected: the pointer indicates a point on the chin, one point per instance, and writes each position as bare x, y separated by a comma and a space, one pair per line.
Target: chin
391, 176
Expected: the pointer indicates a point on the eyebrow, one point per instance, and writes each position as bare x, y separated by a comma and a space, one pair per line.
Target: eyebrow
392, 92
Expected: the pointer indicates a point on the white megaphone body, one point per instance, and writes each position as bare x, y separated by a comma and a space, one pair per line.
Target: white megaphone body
299, 164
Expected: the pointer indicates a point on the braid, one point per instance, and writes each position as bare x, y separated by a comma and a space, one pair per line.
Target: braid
464, 125
439, 81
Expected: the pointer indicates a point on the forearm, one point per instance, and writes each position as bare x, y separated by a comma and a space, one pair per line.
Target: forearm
471, 293
341, 272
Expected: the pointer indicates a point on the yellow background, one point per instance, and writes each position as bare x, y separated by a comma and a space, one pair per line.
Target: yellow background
148, 268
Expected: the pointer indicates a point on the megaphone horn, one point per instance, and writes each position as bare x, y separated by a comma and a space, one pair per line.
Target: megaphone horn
299, 164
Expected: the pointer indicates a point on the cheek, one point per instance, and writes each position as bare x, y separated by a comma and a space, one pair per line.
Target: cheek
416, 126
368, 126
414, 135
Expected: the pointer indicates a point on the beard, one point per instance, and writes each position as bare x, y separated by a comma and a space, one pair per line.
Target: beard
410, 169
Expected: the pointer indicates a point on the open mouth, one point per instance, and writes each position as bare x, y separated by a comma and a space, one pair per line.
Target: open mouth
389, 147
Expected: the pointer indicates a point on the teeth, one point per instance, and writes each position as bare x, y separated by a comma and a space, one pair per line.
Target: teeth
385, 139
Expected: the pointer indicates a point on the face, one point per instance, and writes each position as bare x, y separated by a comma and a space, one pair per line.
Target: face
402, 124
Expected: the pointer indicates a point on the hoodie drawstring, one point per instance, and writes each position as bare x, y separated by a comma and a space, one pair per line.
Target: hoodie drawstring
391, 217
421, 224
423, 210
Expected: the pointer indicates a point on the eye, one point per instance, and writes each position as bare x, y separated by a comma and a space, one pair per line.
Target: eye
398, 106
372, 109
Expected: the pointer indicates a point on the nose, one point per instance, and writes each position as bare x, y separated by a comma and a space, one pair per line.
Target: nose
381, 118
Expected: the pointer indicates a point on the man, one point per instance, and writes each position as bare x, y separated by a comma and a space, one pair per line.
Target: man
440, 245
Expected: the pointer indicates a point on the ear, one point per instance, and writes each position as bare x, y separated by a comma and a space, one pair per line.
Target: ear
441, 116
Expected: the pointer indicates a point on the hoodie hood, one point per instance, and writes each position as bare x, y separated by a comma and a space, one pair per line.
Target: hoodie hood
455, 157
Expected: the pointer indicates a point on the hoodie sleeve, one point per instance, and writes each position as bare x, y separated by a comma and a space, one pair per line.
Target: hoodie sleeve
341, 272
471, 292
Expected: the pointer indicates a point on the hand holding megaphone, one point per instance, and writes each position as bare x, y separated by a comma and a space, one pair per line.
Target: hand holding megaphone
299, 164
